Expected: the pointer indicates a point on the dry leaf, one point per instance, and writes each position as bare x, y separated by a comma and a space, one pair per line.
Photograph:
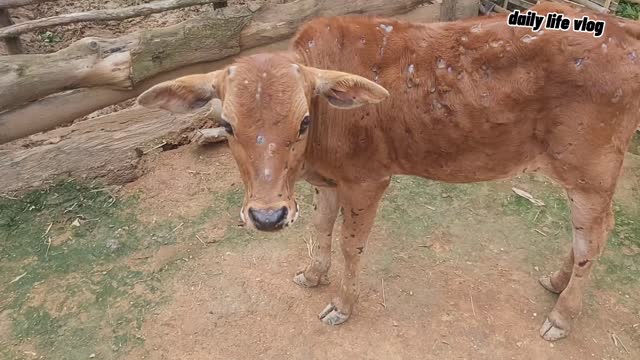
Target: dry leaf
528, 196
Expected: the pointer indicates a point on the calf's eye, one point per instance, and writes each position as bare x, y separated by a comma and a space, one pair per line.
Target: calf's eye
227, 127
304, 125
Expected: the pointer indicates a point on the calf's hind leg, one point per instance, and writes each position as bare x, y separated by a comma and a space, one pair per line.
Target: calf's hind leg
592, 220
559, 280
325, 212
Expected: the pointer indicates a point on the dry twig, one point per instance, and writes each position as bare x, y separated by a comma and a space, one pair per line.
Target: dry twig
616, 341
155, 147
48, 242
18, 278
48, 229
203, 243
473, 308
177, 227
384, 299
540, 232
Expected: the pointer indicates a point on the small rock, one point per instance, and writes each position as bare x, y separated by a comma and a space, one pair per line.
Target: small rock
113, 244
519, 344
53, 140
92, 356
535, 314
395, 324
536, 268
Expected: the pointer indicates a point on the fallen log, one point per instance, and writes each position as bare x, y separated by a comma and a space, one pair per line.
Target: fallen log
62, 109
210, 136
101, 15
125, 63
109, 147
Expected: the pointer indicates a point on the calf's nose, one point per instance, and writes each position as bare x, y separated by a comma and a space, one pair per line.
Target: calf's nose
268, 219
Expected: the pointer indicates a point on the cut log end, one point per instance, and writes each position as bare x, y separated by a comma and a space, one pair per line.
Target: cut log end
209, 136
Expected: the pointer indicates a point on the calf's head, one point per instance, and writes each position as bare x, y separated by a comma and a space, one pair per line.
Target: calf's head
265, 112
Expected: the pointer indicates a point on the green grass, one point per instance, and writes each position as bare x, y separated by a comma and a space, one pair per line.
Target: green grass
63, 253
617, 269
517, 223
74, 269
628, 10
412, 206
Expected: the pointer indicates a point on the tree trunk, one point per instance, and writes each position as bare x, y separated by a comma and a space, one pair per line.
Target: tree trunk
101, 15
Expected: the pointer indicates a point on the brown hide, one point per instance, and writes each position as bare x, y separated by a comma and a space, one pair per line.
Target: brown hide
473, 100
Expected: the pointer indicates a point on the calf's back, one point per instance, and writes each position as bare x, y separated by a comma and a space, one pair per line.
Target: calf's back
471, 100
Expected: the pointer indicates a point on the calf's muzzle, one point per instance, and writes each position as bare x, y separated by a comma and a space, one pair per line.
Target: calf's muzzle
268, 219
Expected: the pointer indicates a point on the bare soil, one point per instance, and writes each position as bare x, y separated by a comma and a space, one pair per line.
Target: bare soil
466, 289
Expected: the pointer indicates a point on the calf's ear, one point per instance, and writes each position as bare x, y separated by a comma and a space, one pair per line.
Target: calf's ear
184, 94
345, 91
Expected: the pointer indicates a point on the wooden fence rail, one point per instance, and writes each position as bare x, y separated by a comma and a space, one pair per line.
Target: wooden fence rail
122, 63
108, 147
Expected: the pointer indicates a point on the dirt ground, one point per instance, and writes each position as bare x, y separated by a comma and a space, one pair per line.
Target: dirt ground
161, 269
464, 289
451, 272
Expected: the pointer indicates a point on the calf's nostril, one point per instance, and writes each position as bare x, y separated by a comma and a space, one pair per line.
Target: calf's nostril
268, 219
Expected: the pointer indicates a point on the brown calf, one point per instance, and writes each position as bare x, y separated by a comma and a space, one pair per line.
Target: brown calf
359, 99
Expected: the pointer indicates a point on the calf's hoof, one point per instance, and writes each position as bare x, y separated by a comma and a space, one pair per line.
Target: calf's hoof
554, 330
332, 316
545, 281
302, 281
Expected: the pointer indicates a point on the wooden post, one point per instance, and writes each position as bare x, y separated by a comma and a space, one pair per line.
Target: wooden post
14, 45
447, 10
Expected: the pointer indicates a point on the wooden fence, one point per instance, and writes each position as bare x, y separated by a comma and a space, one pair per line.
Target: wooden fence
46, 92
504, 6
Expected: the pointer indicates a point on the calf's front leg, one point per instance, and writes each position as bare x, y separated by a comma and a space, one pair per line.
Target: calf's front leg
325, 212
359, 207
